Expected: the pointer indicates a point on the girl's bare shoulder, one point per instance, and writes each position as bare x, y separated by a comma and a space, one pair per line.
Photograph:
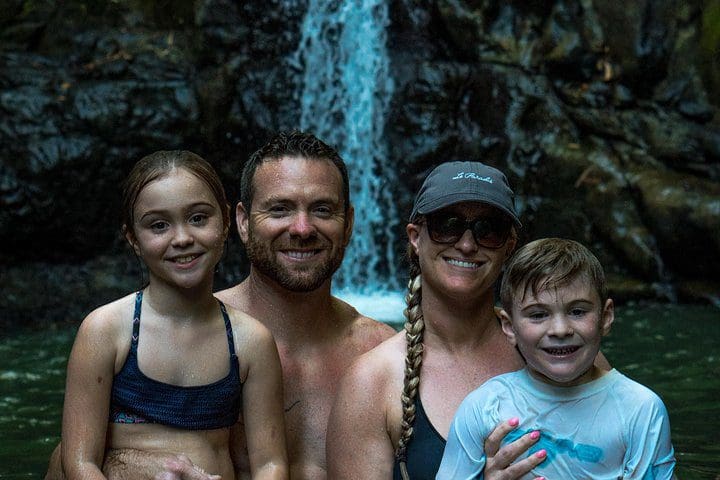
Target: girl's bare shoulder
109, 324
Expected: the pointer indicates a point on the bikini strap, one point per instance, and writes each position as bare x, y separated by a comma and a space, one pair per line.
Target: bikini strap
228, 331
136, 320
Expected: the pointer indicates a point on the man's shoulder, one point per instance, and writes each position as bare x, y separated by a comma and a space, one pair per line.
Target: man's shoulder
228, 295
235, 297
372, 325
362, 326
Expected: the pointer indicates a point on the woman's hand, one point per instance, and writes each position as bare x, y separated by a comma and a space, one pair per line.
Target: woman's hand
499, 464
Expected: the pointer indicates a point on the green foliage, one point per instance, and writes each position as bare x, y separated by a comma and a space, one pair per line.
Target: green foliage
711, 25
710, 49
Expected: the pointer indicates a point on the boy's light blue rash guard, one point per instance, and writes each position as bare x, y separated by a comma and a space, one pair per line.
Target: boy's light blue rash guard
609, 428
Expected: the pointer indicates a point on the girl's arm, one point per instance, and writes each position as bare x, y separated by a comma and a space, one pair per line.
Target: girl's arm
87, 398
263, 415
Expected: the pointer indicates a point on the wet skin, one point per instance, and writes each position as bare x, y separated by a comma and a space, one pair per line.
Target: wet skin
296, 233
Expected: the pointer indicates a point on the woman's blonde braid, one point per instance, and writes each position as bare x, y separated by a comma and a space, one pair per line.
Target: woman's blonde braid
414, 329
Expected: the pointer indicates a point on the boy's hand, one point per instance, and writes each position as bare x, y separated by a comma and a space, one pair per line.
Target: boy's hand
498, 465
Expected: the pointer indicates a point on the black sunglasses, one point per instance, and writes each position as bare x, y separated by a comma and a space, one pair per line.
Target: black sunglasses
488, 232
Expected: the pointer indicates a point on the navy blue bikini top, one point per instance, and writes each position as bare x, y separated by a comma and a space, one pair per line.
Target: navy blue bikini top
137, 398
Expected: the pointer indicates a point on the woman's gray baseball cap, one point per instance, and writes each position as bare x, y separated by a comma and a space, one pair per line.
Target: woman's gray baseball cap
454, 182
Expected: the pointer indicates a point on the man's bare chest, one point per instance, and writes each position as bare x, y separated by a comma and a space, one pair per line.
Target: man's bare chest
312, 374
310, 383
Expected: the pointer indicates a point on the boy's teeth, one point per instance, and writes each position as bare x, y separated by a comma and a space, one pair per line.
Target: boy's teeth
561, 350
185, 259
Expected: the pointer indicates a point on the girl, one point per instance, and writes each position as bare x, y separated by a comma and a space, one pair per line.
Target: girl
170, 368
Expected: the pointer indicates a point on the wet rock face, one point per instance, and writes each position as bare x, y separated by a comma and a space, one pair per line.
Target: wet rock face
596, 110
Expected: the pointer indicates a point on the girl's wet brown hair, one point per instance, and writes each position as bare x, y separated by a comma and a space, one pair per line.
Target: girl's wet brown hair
160, 163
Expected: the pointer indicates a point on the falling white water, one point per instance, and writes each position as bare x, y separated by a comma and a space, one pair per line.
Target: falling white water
345, 94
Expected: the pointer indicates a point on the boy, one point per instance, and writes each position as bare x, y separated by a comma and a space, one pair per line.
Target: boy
592, 423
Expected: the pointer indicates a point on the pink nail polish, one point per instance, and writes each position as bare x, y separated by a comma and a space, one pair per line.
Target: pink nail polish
541, 453
535, 435
514, 422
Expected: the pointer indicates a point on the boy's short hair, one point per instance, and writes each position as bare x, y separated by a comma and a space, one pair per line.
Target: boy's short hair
550, 263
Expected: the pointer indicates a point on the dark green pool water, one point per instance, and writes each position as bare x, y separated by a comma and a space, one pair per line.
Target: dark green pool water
675, 350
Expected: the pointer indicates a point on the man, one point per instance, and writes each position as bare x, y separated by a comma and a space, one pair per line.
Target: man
295, 220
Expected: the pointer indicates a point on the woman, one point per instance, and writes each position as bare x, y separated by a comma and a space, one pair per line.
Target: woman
386, 422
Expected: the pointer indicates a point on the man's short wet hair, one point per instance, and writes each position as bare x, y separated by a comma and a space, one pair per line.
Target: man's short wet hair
291, 144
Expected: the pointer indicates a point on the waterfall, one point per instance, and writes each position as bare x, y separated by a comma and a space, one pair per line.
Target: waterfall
345, 94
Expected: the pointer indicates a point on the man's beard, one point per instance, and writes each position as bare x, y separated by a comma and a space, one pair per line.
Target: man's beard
263, 258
